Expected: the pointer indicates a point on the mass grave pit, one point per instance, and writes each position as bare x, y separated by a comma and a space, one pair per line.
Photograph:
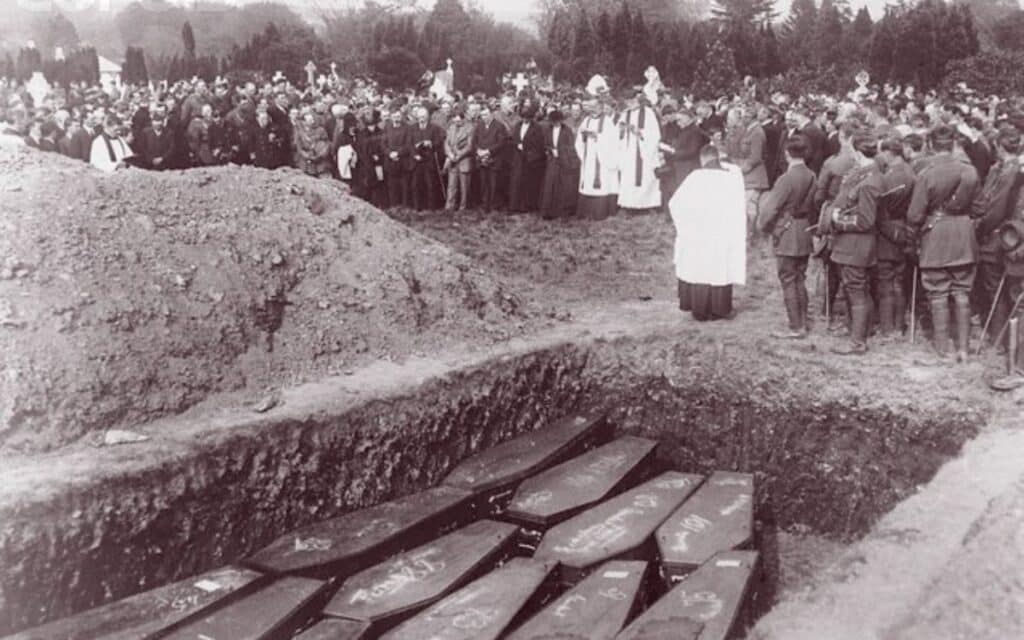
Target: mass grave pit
719, 516
483, 609
619, 528
597, 608
492, 475
336, 629
341, 546
149, 612
275, 611
563, 491
390, 592
713, 597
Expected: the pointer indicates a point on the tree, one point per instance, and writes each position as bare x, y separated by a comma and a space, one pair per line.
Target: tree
560, 36
828, 36
1009, 32
768, 53
605, 60
991, 72
746, 12
858, 35
134, 71
883, 45
798, 33
716, 74
640, 51
54, 30
188, 40
396, 68
584, 48
622, 40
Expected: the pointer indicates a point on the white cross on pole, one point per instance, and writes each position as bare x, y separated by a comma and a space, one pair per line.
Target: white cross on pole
520, 82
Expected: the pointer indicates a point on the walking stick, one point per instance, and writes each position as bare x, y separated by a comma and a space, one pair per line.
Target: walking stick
1006, 325
437, 168
913, 307
828, 293
991, 312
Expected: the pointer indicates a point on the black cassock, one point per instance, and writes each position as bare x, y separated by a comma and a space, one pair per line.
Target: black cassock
527, 167
561, 175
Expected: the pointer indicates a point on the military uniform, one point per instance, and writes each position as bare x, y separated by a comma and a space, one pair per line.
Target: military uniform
785, 214
855, 244
827, 188
992, 207
949, 249
893, 242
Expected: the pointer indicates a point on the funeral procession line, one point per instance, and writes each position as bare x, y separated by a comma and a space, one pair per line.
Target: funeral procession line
564, 532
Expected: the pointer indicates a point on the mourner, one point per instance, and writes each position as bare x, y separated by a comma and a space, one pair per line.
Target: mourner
887, 192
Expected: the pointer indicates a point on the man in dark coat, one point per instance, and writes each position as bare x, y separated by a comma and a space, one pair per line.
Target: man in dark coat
992, 207
893, 238
562, 172
799, 121
785, 214
491, 142
157, 144
397, 143
528, 154
369, 171
266, 143
949, 248
79, 140
853, 220
681, 142
427, 141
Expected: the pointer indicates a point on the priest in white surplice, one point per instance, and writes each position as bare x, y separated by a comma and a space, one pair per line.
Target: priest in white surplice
639, 137
597, 146
709, 212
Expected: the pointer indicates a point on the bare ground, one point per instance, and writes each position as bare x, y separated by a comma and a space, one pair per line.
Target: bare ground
529, 277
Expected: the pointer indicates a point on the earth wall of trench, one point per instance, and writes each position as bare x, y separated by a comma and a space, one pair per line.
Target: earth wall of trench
824, 461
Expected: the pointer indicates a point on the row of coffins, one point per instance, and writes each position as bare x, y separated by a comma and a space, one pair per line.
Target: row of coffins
565, 532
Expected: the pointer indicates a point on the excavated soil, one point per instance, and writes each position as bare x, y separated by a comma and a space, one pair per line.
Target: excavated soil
579, 314
128, 297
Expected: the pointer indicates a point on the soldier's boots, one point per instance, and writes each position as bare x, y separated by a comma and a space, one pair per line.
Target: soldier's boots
794, 314
962, 309
860, 315
940, 329
886, 311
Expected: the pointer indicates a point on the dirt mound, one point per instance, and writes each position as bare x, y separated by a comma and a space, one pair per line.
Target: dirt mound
135, 295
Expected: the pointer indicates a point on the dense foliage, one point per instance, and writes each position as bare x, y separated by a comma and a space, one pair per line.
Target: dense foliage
817, 46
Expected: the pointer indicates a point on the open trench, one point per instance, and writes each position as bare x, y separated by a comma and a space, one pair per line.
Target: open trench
827, 463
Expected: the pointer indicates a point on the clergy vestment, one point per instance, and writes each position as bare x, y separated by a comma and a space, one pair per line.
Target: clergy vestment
106, 153
596, 145
709, 213
639, 137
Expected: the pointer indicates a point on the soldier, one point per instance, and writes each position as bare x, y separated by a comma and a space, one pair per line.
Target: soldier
893, 238
992, 207
826, 189
751, 161
949, 249
785, 214
852, 221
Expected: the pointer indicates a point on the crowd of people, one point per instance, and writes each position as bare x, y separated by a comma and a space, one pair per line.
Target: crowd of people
897, 192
